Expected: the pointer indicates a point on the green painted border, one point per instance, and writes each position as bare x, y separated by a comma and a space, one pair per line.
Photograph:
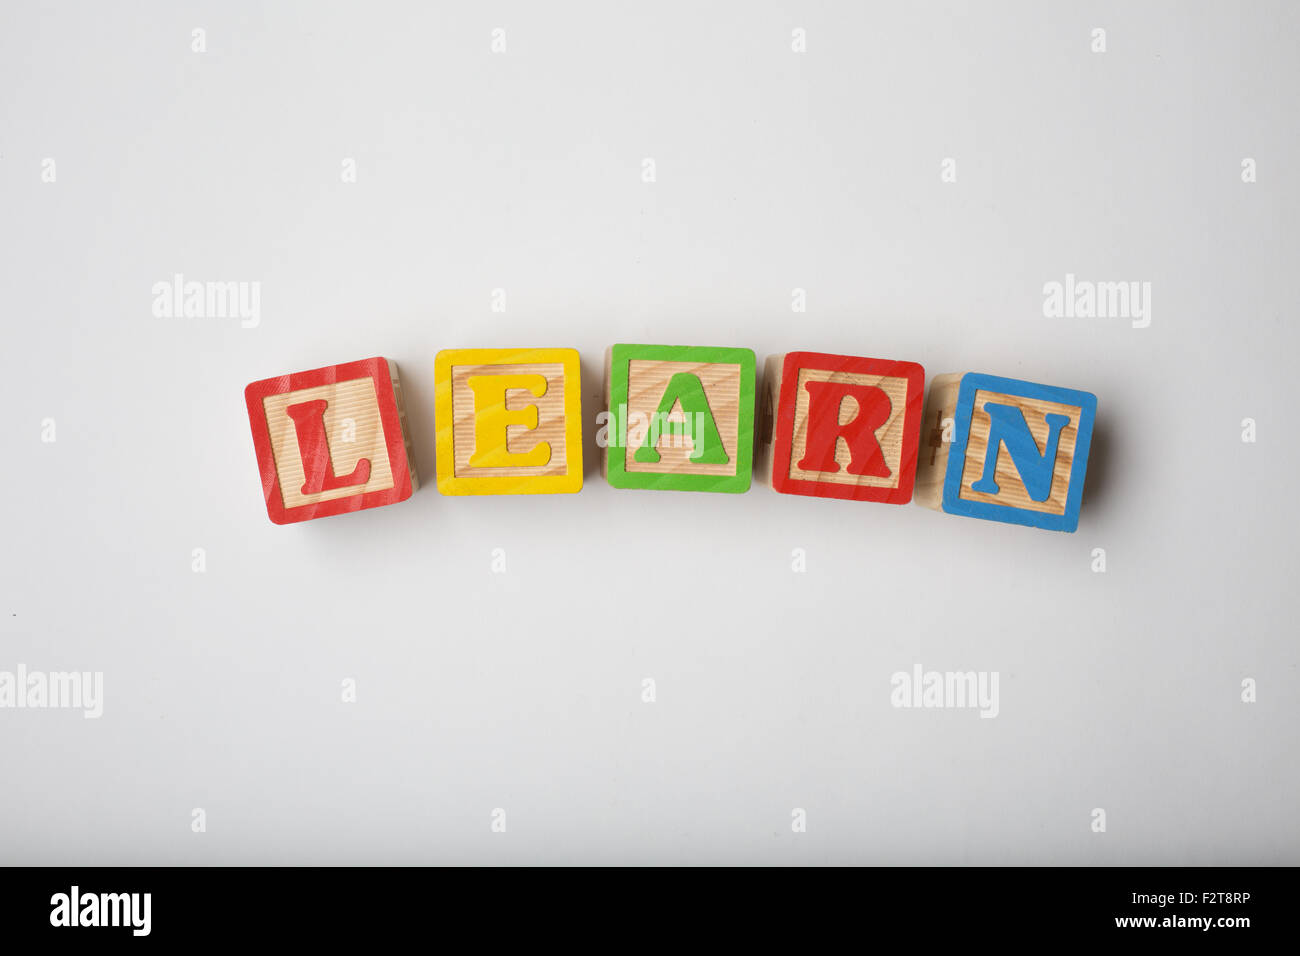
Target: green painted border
615, 470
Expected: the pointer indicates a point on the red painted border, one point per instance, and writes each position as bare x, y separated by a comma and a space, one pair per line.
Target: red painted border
783, 438
376, 369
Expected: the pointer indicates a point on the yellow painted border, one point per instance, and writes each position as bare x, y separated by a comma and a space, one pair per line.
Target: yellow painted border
567, 483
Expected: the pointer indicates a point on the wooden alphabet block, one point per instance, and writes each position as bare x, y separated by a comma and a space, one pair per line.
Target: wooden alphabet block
331, 440
838, 426
1017, 452
509, 421
681, 418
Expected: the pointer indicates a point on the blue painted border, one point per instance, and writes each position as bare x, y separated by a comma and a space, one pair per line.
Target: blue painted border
972, 382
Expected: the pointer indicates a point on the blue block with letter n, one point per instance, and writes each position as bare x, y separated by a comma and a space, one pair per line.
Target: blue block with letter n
1019, 452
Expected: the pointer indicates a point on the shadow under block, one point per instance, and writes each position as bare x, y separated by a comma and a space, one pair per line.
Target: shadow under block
509, 421
1005, 450
841, 426
681, 418
331, 440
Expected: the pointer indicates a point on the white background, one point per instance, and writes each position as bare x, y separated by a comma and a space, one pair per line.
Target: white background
522, 691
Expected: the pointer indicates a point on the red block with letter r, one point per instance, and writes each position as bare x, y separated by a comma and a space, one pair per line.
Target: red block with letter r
845, 426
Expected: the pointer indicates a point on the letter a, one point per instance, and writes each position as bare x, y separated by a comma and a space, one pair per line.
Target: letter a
689, 390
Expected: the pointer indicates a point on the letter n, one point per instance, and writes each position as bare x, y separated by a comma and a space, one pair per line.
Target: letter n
1008, 429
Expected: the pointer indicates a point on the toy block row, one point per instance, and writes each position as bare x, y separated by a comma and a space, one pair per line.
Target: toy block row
508, 421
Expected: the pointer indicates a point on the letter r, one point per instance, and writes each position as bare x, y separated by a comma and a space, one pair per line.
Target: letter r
825, 399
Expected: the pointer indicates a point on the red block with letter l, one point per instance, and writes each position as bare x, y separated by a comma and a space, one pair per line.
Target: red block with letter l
841, 426
331, 440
